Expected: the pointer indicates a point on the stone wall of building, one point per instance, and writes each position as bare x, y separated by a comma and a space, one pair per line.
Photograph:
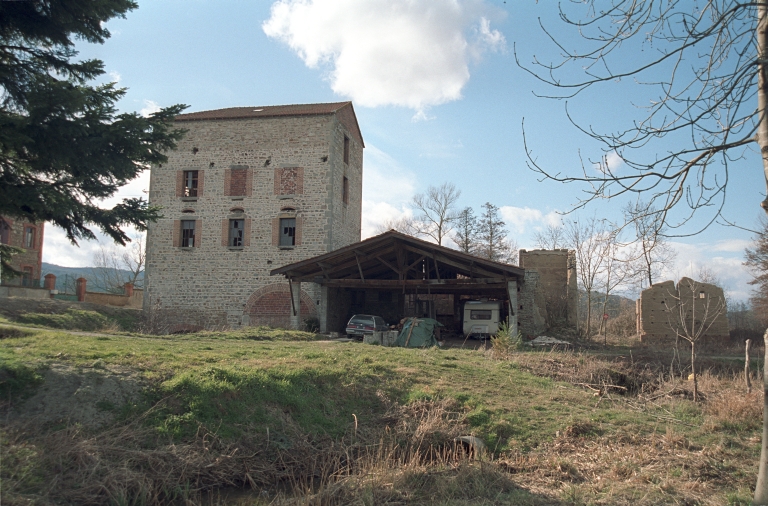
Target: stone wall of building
664, 310
557, 282
29, 237
531, 314
277, 167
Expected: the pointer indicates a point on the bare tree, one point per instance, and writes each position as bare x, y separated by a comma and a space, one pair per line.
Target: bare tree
493, 243
703, 65
404, 225
654, 252
691, 316
436, 211
113, 268
551, 237
465, 233
617, 270
586, 238
757, 263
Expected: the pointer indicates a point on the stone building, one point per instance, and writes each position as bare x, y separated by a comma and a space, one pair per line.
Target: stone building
247, 190
29, 237
557, 296
664, 310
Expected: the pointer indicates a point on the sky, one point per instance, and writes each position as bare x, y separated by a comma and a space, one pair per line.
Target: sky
438, 95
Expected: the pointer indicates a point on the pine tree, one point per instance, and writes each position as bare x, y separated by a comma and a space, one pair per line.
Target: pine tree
465, 231
492, 234
63, 147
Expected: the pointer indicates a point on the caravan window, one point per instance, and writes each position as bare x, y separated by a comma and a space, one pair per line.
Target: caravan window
480, 314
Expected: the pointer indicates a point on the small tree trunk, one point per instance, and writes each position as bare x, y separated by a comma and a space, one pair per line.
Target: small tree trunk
761, 489
693, 372
746, 367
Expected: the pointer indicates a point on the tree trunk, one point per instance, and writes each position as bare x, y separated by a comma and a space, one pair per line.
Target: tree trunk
746, 367
761, 489
693, 372
762, 91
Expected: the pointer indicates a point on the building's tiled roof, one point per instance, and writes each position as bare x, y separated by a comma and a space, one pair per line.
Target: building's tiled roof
345, 110
263, 111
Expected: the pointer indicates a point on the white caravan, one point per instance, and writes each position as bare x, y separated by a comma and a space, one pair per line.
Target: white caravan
481, 318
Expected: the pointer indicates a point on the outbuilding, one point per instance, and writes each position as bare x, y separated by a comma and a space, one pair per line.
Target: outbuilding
395, 275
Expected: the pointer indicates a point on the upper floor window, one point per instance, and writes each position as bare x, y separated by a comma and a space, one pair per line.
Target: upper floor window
345, 190
346, 149
236, 228
190, 183
187, 233
5, 233
237, 182
287, 231
29, 237
289, 181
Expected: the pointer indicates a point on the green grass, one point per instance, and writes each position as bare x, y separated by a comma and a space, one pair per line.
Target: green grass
76, 319
238, 383
264, 384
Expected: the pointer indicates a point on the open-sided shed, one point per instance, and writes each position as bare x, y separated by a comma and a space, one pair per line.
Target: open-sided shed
385, 275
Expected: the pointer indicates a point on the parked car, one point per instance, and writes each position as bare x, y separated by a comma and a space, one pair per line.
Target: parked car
361, 324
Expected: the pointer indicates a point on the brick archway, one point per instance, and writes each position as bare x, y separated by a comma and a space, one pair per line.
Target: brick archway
271, 305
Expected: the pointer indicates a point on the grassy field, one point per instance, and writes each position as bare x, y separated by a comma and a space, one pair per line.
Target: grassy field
293, 420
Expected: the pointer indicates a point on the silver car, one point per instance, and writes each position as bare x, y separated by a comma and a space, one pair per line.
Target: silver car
361, 324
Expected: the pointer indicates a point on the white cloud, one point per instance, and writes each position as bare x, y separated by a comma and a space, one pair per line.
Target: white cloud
612, 161
387, 190
691, 258
412, 53
58, 250
115, 76
149, 108
519, 218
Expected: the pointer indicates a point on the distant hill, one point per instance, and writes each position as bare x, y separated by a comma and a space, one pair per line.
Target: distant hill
66, 276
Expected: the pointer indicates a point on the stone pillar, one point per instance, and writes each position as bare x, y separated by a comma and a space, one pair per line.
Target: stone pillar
296, 322
322, 310
513, 307
128, 289
80, 289
50, 282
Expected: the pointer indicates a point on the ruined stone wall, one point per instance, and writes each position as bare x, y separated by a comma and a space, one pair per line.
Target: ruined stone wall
276, 167
664, 310
557, 282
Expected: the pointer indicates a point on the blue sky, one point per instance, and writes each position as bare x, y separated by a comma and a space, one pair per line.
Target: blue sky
437, 93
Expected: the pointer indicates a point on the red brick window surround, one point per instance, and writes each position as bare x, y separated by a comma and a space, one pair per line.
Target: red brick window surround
287, 231
289, 181
236, 232
187, 233
189, 183
27, 275
29, 236
238, 182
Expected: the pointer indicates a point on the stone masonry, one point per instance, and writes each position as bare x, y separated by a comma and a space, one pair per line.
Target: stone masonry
557, 294
273, 173
664, 309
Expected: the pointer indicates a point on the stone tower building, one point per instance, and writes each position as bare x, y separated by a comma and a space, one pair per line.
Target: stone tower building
557, 295
250, 189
